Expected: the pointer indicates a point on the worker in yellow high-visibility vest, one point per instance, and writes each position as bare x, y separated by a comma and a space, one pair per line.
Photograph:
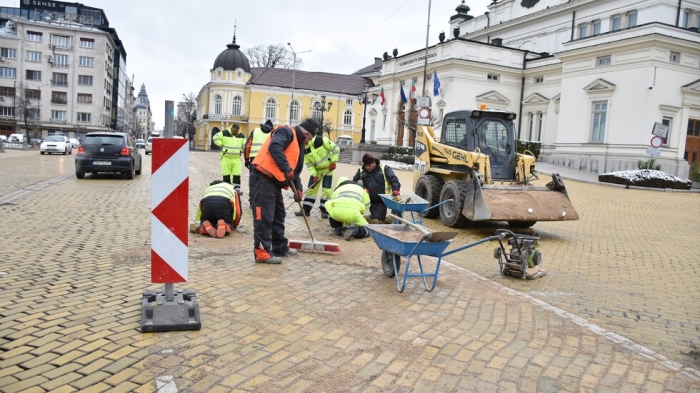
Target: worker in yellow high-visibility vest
231, 142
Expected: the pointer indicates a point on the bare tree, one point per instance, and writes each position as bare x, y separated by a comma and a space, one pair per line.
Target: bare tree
186, 114
272, 56
27, 106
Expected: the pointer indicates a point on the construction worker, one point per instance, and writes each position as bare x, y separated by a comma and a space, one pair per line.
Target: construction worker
220, 205
320, 158
255, 141
276, 166
377, 179
346, 207
231, 142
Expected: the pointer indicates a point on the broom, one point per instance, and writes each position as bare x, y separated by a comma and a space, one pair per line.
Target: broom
313, 245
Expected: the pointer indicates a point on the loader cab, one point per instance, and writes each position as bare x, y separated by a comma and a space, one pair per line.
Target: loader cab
492, 132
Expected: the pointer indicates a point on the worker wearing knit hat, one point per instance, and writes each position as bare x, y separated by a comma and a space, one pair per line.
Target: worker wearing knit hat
377, 179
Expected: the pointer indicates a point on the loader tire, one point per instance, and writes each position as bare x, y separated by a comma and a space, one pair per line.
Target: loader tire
521, 224
428, 187
451, 212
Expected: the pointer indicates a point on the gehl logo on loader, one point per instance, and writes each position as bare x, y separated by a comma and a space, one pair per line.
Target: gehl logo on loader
457, 155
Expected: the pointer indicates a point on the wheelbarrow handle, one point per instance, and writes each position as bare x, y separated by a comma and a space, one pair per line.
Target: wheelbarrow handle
423, 230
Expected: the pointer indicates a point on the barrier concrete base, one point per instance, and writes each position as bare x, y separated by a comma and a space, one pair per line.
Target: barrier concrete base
161, 315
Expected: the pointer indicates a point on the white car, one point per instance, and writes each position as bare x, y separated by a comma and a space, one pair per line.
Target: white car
56, 144
3, 138
149, 145
74, 142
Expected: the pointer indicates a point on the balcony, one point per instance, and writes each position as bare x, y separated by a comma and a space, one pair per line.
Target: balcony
59, 83
59, 101
59, 121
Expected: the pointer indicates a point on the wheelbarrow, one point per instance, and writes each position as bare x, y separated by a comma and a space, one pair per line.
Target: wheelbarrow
411, 240
409, 203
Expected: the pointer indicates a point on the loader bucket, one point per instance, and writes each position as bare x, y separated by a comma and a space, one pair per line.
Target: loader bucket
518, 203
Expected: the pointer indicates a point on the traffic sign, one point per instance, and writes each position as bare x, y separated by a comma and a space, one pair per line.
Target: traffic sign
656, 141
660, 130
653, 152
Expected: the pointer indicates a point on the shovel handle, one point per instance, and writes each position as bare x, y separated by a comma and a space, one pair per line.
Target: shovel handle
412, 225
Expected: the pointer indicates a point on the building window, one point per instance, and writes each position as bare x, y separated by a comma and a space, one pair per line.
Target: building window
237, 108
539, 79
675, 57
87, 61
693, 127
84, 117
87, 43
6, 72
60, 79
270, 109
348, 102
34, 36
8, 53
632, 19
59, 97
596, 27
32, 75
383, 122
7, 111
32, 94
530, 125
85, 80
58, 115
61, 42
7, 91
493, 77
540, 118
603, 61
347, 118
86, 98
33, 56
582, 31
60, 60
316, 112
218, 104
616, 23
667, 121
600, 112
33, 113
372, 127
294, 111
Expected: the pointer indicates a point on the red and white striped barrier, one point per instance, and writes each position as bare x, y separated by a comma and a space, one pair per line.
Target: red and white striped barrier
169, 202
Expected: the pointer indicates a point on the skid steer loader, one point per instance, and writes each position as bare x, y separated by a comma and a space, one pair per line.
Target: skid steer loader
474, 173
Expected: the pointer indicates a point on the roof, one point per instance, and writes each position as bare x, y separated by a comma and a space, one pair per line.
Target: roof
232, 58
308, 80
372, 70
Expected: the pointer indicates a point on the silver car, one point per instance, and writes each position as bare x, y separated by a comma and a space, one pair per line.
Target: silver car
56, 144
149, 145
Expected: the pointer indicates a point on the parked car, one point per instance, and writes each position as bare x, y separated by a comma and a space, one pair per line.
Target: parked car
74, 142
149, 145
16, 138
108, 152
140, 144
56, 144
3, 138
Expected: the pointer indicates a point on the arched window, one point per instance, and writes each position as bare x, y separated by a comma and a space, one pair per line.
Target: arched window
347, 118
217, 104
237, 106
270, 109
294, 111
316, 112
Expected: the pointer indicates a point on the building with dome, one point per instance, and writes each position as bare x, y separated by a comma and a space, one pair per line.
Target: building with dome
143, 114
249, 96
588, 79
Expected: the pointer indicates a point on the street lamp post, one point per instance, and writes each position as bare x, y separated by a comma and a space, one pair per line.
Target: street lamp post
364, 99
322, 107
294, 72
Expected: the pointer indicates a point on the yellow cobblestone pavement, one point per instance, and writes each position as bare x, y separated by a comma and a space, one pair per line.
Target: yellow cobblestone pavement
616, 311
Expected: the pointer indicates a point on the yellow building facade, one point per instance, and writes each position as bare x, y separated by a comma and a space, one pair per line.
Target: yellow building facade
249, 96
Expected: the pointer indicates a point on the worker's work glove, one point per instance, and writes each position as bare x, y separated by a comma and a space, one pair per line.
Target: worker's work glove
396, 195
314, 180
298, 196
331, 167
289, 176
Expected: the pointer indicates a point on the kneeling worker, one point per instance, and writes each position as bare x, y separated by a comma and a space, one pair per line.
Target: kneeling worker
220, 205
346, 206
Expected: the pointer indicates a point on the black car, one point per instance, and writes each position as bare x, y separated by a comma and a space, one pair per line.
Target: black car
107, 152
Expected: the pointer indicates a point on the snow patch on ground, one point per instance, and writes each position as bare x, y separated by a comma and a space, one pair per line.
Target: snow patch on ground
397, 165
645, 174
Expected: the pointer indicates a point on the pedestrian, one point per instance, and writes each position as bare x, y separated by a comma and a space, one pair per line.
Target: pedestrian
377, 179
221, 205
346, 207
255, 141
320, 158
277, 165
231, 142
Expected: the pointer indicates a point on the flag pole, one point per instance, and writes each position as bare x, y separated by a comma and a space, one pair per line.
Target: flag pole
425, 64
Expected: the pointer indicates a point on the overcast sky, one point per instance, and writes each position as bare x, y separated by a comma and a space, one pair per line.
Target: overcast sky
171, 45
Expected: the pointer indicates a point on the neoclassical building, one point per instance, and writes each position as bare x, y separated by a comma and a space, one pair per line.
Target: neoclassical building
143, 114
587, 78
249, 96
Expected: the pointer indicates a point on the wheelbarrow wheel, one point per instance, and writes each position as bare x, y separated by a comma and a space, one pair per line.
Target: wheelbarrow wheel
388, 263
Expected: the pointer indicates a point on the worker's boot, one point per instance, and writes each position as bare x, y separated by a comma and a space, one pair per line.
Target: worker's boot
304, 212
350, 232
237, 184
324, 214
362, 232
221, 229
262, 256
338, 231
208, 228
227, 179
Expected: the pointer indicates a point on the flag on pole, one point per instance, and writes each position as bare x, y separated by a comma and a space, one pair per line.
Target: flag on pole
403, 95
382, 98
412, 95
436, 84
